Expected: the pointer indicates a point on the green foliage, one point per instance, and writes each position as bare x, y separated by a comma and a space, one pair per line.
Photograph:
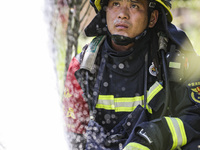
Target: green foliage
186, 14
193, 4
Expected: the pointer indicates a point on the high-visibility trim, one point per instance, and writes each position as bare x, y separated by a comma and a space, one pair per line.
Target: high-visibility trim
169, 16
135, 146
129, 99
182, 130
127, 104
107, 97
126, 109
107, 107
148, 108
177, 131
154, 89
106, 102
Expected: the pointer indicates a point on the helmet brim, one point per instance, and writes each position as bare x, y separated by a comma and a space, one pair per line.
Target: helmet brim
167, 10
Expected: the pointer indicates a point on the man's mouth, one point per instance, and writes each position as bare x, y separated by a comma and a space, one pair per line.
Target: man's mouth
121, 26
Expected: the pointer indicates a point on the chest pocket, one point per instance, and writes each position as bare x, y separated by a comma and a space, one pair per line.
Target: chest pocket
128, 104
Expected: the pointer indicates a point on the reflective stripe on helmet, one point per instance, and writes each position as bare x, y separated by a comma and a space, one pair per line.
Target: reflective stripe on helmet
177, 131
169, 16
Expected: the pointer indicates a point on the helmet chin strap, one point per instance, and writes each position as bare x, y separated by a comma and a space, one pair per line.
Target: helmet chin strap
124, 40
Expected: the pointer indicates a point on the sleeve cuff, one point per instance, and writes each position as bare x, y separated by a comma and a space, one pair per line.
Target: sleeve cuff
135, 146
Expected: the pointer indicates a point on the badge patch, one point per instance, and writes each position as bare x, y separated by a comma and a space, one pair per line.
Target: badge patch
152, 70
194, 91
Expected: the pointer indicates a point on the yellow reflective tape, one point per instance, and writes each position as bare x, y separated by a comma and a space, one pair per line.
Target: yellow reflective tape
106, 102
129, 99
126, 109
154, 89
130, 109
106, 97
173, 132
178, 132
128, 104
182, 129
135, 146
108, 107
170, 18
125, 104
149, 109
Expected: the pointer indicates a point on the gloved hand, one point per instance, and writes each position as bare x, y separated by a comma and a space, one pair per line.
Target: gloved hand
141, 133
140, 141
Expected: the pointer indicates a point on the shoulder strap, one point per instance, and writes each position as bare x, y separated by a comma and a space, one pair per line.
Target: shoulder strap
89, 56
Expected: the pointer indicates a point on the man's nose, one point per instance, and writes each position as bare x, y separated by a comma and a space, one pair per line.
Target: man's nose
124, 13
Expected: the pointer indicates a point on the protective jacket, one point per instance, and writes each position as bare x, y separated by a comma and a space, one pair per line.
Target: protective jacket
104, 97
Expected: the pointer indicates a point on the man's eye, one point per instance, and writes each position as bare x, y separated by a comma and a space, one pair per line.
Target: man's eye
115, 4
134, 6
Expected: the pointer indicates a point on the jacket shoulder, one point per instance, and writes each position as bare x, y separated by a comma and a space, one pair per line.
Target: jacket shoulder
89, 53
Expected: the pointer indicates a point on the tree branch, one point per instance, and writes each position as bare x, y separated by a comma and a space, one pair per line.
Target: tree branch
85, 13
83, 4
86, 19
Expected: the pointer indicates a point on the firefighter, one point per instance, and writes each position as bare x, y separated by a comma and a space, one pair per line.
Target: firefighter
137, 84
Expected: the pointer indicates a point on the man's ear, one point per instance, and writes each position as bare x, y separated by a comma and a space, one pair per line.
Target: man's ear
153, 19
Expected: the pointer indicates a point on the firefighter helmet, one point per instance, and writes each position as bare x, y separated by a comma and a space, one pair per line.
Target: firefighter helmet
98, 4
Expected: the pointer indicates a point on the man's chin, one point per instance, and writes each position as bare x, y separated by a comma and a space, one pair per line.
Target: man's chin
121, 33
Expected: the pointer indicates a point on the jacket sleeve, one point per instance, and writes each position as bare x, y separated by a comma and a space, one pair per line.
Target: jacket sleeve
182, 128
75, 108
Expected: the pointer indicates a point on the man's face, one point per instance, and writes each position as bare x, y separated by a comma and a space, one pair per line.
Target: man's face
127, 17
